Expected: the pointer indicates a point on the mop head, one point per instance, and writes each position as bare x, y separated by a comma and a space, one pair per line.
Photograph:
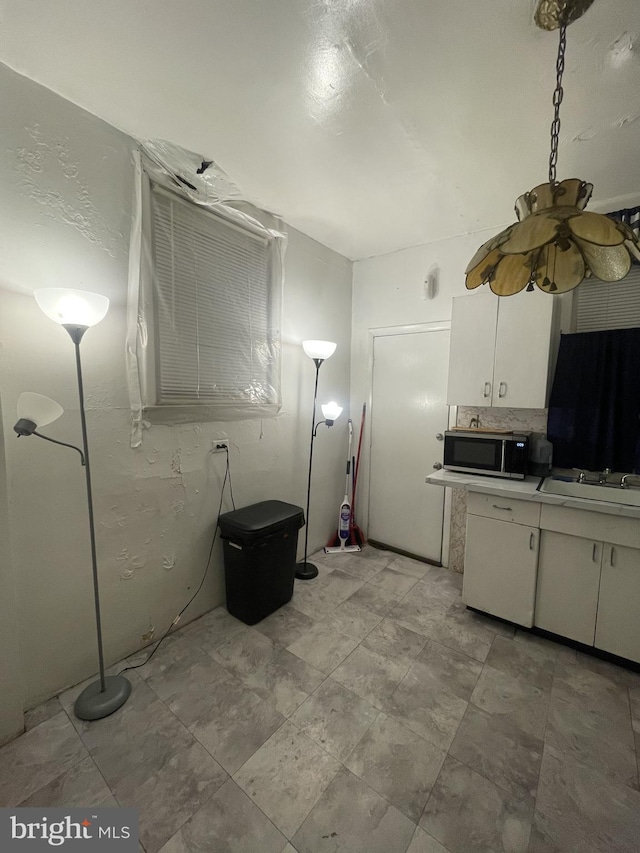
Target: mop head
341, 549
355, 540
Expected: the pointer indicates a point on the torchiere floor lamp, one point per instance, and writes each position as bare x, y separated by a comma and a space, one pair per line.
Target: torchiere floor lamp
319, 351
76, 311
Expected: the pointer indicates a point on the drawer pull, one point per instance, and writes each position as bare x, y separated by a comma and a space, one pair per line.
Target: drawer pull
505, 508
502, 389
486, 391
531, 541
594, 552
612, 557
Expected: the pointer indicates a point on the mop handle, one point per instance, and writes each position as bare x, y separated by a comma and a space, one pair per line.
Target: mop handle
350, 426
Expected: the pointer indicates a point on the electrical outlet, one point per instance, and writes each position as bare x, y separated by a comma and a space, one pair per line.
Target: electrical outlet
220, 445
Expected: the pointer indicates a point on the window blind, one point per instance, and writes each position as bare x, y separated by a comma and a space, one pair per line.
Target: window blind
605, 305
212, 294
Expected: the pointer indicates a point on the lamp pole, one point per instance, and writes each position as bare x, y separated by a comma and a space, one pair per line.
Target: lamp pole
76, 334
76, 311
105, 696
306, 570
318, 351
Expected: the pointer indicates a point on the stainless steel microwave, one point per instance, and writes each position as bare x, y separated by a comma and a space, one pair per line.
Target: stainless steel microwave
492, 453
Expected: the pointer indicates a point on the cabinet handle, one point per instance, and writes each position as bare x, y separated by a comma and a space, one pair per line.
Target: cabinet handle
505, 508
594, 552
502, 393
612, 557
487, 390
531, 541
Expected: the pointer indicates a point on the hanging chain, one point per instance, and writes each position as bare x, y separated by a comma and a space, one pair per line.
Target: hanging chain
557, 100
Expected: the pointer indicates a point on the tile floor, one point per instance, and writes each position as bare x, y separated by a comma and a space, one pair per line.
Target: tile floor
373, 713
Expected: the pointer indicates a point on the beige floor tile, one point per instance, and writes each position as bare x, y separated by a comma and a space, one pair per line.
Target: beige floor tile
500, 752
335, 718
227, 823
369, 675
37, 758
398, 764
323, 646
592, 808
287, 776
513, 699
395, 642
352, 817
80, 786
467, 812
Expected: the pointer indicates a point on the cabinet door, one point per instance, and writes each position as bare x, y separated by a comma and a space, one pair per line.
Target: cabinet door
618, 625
523, 341
473, 331
568, 580
500, 568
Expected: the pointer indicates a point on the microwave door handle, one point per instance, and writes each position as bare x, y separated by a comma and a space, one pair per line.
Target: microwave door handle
504, 451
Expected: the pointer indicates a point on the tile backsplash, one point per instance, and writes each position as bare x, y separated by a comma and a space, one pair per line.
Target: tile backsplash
534, 420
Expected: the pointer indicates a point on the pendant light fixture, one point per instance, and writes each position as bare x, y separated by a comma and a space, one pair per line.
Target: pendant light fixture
555, 244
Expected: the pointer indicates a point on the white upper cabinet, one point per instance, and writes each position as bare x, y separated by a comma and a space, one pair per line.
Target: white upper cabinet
501, 348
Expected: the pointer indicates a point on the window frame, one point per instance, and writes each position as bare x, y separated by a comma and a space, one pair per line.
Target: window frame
247, 219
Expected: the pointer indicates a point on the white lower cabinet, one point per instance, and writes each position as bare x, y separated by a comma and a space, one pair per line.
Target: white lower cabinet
500, 568
618, 621
575, 573
589, 588
568, 581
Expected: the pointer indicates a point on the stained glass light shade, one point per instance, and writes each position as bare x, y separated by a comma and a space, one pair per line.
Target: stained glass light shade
555, 245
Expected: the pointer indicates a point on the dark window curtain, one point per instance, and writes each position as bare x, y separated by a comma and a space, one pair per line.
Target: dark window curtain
594, 413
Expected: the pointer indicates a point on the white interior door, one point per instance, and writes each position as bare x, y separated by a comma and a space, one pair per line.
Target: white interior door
408, 411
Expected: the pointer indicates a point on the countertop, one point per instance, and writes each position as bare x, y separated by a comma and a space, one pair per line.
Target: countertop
526, 490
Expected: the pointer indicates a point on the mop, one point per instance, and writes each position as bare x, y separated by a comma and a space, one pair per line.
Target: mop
356, 536
344, 514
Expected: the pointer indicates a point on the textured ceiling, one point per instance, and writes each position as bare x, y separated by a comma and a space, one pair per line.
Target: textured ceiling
371, 125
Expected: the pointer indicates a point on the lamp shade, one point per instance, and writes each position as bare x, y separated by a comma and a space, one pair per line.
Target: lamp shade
331, 411
39, 409
72, 307
555, 245
319, 349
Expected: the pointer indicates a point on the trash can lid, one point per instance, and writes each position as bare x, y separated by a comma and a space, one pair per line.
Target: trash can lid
262, 518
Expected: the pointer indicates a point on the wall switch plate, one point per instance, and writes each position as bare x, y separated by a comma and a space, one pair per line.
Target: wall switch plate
220, 445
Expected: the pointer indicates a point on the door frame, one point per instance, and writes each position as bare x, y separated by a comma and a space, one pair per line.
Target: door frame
388, 331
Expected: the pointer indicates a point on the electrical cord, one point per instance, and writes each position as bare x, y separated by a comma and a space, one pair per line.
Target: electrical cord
227, 476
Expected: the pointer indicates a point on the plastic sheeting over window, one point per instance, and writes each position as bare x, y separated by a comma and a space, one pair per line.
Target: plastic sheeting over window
205, 291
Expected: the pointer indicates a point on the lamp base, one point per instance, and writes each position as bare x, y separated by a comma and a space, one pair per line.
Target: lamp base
93, 704
306, 571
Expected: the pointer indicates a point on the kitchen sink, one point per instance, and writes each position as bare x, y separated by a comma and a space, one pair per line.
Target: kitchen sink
591, 491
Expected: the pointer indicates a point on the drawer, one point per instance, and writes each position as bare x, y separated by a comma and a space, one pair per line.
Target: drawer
588, 524
504, 508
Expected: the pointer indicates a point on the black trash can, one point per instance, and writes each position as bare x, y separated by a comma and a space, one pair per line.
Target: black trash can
259, 545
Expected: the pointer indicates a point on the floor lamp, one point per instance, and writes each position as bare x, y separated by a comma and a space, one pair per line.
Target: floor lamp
76, 311
319, 351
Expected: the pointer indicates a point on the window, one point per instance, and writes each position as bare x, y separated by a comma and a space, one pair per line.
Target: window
215, 301
603, 305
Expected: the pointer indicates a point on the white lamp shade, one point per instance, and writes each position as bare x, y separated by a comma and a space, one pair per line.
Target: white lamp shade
72, 307
319, 349
39, 409
331, 410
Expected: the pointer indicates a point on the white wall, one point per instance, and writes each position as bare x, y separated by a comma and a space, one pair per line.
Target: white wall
65, 219
390, 291
11, 718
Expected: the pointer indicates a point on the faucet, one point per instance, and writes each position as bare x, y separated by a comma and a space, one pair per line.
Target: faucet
602, 477
624, 482
581, 475
474, 422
